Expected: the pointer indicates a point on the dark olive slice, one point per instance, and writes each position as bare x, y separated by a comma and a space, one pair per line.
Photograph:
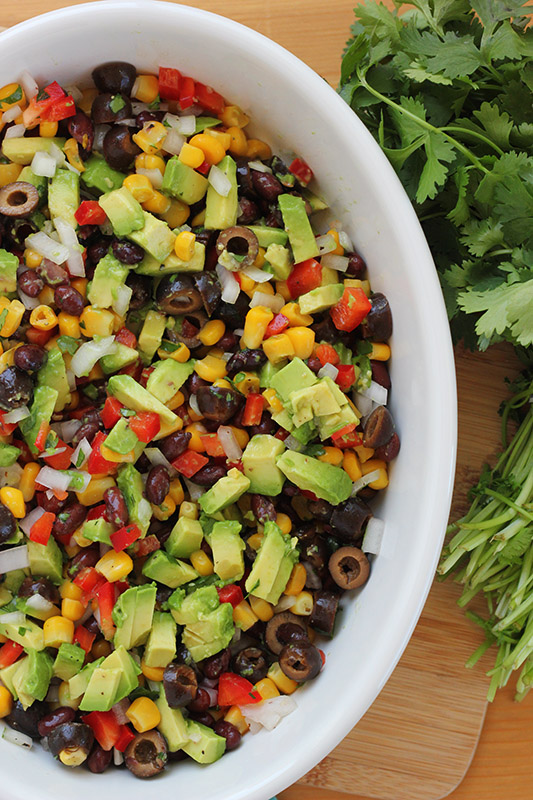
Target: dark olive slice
349, 567
239, 241
300, 661
180, 685
348, 519
18, 199
378, 323
275, 642
324, 611
71, 742
147, 754
177, 295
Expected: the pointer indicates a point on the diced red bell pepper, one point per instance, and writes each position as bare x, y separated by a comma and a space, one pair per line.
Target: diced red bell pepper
348, 440
125, 536
45, 99
212, 445
135, 370
61, 108
9, 652
86, 579
169, 83
276, 326
42, 434
305, 276
186, 92
230, 594
253, 409
60, 460
126, 337
84, 638
189, 463
145, 425
206, 97
90, 212
98, 512
351, 309
301, 171
144, 547
41, 529
145, 374
204, 168
106, 729
125, 737
322, 656
111, 412
327, 354
6, 428
281, 434
35, 336
345, 377
233, 690
343, 431
96, 463
105, 596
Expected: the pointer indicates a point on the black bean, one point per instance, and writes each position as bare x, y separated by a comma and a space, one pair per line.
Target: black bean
69, 300
51, 504
87, 430
229, 732
356, 266
69, 519
218, 403
248, 211
148, 116
201, 702
50, 721
194, 382
42, 586
30, 357
209, 475
16, 388
98, 250
30, 282
379, 428
141, 286
273, 218
27, 720
263, 508
245, 360
81, 129
229, 342
233, 314
115, 76
266, 185
204, 718
175, 444
127, 252
267, 425
314, 364
389, 451
380, 374
115, 506
87, 557
99, 759
52, 274
8, 526
102, 109
378, 323
213, 666
244, 178
157, 484
321, 509
119, 149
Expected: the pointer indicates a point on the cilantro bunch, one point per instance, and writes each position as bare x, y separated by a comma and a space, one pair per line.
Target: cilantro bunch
447, 90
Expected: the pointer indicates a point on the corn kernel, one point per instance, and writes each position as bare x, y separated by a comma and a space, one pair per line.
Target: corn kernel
255, 540
176, 401
152, 673
101, 649
243, 616
296, 582
58, 630
267, 688
151, 137
284, 684
143, 714
211, 147
188, 510
149, 161
241, 436
193, 415
114, 566
258, 149
210, 368
96, 321
372, 465
80, 284
94, 493
283, 290
255, 325
191, 156
212, 332
139, 186
43, 318
70, 590
264, 288
273, 400
238, 141
234, 116
295, 316
9, 173
363, 453
248, 285
235, 717
46, 296
184, 245
196, 430
339, 249
262, 610
303, 341
278, 348
332, 455
221, 136
145, 88
6, 701
72, 152
13, 499
14, 91
32, 259
65, 698
380, 352
177, 214
181, 354
351, 465
27, 480
284, 522
304, 603
355, 283
165, 510
202, 563
72, 609
176, 491
259, 262
69, 325
248, 383
157, 204
222, 383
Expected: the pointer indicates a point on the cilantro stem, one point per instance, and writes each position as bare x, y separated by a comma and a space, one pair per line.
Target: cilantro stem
473, 134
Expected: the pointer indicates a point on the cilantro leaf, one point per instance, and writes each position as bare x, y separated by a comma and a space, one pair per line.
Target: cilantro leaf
507, 309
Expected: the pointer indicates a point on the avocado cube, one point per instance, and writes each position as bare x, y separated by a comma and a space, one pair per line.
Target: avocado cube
295, 375
101, 691
29, 634
121, 438
99, 175
97, 530
334, 422
183, 182
209, 634
173, 725
168, 377
7, 674
151, 334
325, 480
277, 552
136, 397
46, 560
222, 211
8, 455
296, 223
174, 264
204, 745
78, 684
321, 298
267, 373
129, 671
227, 547
338, 394
280, 260
185, 538
155, 237
8, 272
161, 567
160, 648
53, 375
21, 149
267, 236
109, 276
42, 408
64, 196
315, 401
224, 492
124, 212
305, 432
316, 202
329, 276
132, 614
37, 676
149, 265
69, 661
18, 680
259, 462
130, 483
189, 608
122, 357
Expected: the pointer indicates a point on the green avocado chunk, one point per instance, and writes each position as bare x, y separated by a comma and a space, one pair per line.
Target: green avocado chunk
18, 680
8, 272
39, 181
123, 357
280, 260
41, 410
259, 462
155, 237
172, 572
224, 492
168, 377
136, 397
101, 690
28, 634
321, 298
121, 438
160, 648
97, 530
124, 212
295, 375
182, 182
173, 725
222, 211
204, 745
296, 223
121, 660
132, 614
151, 334
38, 675
78, 684
109, 276
273, 564
8, 454
185, 538
21, 149
227, 547
130, 483
99, 175
189, 608
53, 374
64, 196
267, 236
325, 480
208, 623
46, 560
69, 661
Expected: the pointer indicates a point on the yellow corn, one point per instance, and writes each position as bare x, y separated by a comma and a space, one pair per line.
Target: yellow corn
303, 341
221, 136
14, 500
146, 88
262, 610
296, 582
222, 384
243, 615
176, 491
27, 480
117, 458
157, 204
295, 316
94, 493
181, 354
332, 455
72, 152
339, 250
48, 129
371, 465
80, 284
46, 296
176, 401
258, 149
241, 436
13, 91
304, 604
114, 566
197, 430
273, 400
351, 465
278, 348
96, 321
101, 649
10, 173
151, 137
283, 290
212, 332
255, 540
43, 318
176, 214
188, 510
58, 630
184, 245
248, 285
198, 219
264, 288
202, 563
235, 717
210, 368
259, 262
143, 714
234, 116
72, 609
69, 325
380, 351
248, 383
6, 701
284, 684
267, 688
284, 522
363, 453
255, 325
191, 156
70, 591
65, 699
74, 400
149, 161
238, 142
152, 673
211, 147
71, 550
165, 510
139, 186
32, 259
357, 284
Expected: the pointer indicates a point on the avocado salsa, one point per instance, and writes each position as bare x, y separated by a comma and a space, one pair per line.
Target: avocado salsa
193, 391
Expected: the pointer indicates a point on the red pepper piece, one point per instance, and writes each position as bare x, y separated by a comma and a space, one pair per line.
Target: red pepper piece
230, 594
98, 512
40, 439
96, 463
105, 596
348, 440
111, 412
204, 168
309, 495
305, 276
206, 97
87, 578
105, 727
84, 638
212, 445
9, 652
125, 737
6, 428
125, 536
189, 463
41, 529
301, 171
144, 547
35, 336
186, 92
61, 108
351, 309
169, 83
276, 326
60, 460
126, 337
253, 409
90, 212
145, 425
346, 376
327, 354
233, 690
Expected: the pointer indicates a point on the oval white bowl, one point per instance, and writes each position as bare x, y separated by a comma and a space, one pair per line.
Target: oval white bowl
295, 110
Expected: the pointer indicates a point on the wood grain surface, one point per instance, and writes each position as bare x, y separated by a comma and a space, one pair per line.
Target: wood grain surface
316, 31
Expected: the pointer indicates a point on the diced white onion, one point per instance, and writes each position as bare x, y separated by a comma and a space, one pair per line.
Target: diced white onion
16, 737
53, 479
156, 457
360, 483
229, 283
118, 757
119, 711
173, 142
328, 371
154, 176
131, 123
39, 603
67, 236
269, 713
373, 536
68, 166
15, 132
43, 164
213, 696
274, 302
345, 242
259, 166
29, 84
12, 618
226, 356
136, 105
325, 244
83, 448
134, 90
11, 114
186, 124
15, 558
239, 331
88, 354
17, 414
219, 181
69, 428
28, 302
122, 299
193, 402
258, 275
99, 136
333, 261
229, 443
194, 490
364, 404
74, 92
10, 476
30, 519
47, 247
71, 378
58, 154
286, 601
377, 393
293, 444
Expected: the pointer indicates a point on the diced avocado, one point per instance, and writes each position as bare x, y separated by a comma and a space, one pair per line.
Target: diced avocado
222, 212
39, 181
23, 604
12, 582
183, 182
227, 547
316, 202
272, 565
8, 454
295, 375
121, 438
101, 691
21, 149
171, 571
259, 462
209, 634
69, 661
325, 480
42, 408
148, 266
99, 175
267, 236
296, 223
8, 272
46, 560
129, 671
279, 259
7, 674
97, 530
321, 298
202, 123
174, 264
53, 375
27, 633
224, 492
38, 675
173, 725
130, 483
160, 648
78, 684
305, 432
338, 394
185, 538
124, 212
204, 745
189, 608
334, 422
64, 196
329, 276
167, 377
314, 401
155, 237
132, 614
283, 419
136, 397
151, 334
121, 358
19, 679
268, 371
109, 276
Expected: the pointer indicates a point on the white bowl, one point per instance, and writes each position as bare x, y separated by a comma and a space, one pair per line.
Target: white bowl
295, 110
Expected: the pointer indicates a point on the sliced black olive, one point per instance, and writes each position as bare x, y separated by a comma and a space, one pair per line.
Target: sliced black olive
379, 428
191, 325
324, 611
109, 108
300, 661
18, 199
147, 754
218, 403
349, 567
210, 292
176, 295
239, 241
272, 633
115, 76
180, 685
141, 286
378, 323
349, 518
27, 720
119, 148
251, 663
16, 388
71, 742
